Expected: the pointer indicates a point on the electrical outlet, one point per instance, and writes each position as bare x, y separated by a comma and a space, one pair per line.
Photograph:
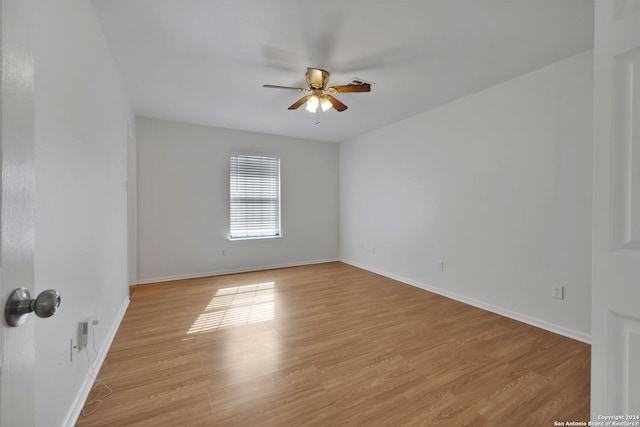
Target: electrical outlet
557, 291
439, 265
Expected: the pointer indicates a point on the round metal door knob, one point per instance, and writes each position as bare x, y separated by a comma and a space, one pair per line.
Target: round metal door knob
20, 304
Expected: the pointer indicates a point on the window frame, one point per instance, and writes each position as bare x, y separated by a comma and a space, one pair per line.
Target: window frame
278, 223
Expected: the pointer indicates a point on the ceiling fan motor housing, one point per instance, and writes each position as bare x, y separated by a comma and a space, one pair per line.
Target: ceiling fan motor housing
317, 78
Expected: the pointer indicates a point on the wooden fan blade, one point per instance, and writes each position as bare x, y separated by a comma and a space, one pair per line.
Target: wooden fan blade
299, 102
299, 89
336, 104
364, 87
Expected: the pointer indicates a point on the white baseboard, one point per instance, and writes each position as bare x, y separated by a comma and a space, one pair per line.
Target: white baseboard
74, 413
232, 271
551, 327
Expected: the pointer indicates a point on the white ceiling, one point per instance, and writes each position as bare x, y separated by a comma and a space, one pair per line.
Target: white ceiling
205, 61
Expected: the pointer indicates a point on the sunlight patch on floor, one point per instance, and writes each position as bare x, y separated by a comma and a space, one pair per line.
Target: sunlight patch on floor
237, 306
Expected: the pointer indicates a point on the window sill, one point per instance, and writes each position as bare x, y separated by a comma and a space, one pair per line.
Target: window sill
251, 239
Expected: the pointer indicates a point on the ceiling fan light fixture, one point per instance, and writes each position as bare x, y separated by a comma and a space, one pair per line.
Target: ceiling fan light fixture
318, 80
312, 104
325, 104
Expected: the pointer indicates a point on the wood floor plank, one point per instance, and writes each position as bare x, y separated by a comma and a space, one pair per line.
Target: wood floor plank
331, 344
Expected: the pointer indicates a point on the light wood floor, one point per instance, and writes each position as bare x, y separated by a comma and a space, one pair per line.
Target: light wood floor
331, 345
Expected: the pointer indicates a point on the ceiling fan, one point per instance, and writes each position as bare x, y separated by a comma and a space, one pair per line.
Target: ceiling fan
318, 80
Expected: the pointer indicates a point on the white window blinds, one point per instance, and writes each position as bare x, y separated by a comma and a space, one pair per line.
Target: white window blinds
255, 196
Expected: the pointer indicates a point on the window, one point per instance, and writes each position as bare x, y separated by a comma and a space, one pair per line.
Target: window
255, 196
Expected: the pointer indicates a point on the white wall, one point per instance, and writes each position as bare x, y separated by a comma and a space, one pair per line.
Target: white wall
81, 119
497, 185
183, 201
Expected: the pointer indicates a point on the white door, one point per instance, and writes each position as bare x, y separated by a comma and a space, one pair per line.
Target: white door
17, 351
615, 330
